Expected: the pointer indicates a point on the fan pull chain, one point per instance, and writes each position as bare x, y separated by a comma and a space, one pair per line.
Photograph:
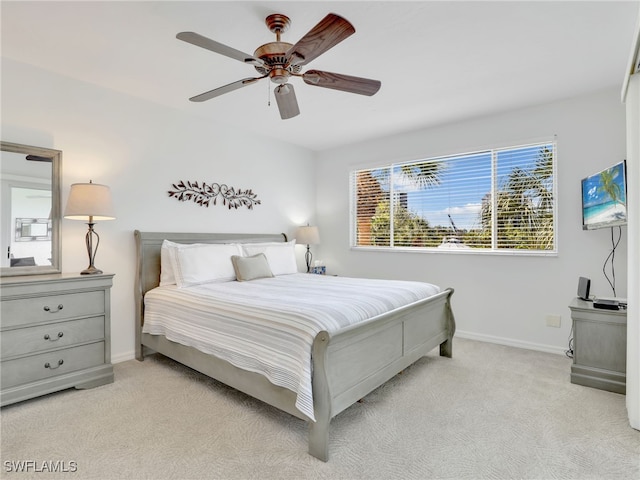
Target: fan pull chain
268, 94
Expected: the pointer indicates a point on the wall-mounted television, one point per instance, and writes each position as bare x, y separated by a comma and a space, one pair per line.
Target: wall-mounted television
604, 198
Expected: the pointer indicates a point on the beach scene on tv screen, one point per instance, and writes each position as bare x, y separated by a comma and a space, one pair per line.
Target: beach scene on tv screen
604, 198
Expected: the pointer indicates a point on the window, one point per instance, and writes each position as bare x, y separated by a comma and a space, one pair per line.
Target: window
493, 200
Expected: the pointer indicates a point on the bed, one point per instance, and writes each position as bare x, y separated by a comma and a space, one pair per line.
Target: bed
346, 362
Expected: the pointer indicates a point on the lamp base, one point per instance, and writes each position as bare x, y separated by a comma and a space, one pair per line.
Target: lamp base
91, 270
307, 257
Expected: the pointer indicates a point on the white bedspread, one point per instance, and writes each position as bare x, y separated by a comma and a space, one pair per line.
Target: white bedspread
268, 325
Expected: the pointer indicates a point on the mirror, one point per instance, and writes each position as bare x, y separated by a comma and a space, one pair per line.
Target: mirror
29, 229
30, 215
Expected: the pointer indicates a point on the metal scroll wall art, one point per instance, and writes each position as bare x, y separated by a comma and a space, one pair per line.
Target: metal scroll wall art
205, 194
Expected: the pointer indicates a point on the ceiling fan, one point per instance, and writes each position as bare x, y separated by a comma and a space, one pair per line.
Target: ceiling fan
281, 60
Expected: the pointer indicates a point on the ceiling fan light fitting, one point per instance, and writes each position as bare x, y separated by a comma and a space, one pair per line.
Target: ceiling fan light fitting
279, 75
287, 102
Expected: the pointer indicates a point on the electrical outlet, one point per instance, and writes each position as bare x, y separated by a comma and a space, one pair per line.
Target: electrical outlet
553, 321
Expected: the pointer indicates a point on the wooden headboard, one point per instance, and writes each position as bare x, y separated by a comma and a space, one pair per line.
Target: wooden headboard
148, 245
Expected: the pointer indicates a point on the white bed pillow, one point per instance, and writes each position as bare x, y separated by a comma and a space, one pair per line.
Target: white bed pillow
204, 263
281, 256
167, 252
167, 260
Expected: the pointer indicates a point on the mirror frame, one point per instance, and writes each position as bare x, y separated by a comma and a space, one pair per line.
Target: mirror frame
56, 211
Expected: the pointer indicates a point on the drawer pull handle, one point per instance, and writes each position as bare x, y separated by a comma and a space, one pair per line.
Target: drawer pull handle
48, 337
48, 365
48, 309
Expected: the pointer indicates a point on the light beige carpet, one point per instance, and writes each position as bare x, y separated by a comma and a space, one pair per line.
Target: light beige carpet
489, 412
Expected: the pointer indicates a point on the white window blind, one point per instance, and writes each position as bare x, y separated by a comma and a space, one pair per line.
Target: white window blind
493, 200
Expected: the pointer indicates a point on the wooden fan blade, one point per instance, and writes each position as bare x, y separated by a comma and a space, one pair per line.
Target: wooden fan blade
204, 42
331, 30
287, 102
216, 92
346, 83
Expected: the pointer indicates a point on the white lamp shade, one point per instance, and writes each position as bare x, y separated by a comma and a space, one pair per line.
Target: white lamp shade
308, 235
89, 202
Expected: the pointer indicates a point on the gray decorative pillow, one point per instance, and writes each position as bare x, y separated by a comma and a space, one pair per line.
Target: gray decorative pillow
250, 268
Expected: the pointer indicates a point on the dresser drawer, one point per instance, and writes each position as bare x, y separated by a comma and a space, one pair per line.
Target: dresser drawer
54, 335
45, 365
51, 308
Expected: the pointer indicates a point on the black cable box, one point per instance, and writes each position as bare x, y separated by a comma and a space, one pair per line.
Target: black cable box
607, 304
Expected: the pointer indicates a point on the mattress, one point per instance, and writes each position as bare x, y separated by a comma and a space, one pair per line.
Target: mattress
268, 325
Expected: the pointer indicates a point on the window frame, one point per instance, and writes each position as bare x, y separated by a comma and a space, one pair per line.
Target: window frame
493, 250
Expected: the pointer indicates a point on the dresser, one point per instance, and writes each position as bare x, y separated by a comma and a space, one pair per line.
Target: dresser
599, 347
54, 334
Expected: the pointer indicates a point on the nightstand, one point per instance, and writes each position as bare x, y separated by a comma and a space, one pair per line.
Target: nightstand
599, 347
55, 334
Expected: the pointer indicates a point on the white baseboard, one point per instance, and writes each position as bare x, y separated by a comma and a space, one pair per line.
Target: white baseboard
123, 357
510, 342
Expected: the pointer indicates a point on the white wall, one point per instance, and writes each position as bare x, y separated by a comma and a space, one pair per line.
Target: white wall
633, 314
500, 298
139, 149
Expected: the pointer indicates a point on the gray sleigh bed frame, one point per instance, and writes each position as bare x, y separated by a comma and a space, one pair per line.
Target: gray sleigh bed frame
347, 365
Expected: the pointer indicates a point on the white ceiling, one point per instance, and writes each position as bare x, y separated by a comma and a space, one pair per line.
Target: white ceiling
439, 61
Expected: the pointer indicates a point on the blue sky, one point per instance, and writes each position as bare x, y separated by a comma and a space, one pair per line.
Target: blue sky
465, 180
457, 195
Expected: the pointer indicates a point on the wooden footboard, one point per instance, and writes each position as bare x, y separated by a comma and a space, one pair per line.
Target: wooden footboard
347, 365
353, 362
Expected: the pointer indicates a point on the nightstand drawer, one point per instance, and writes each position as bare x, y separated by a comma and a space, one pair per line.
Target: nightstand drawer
45, 365
55, 335
51, 308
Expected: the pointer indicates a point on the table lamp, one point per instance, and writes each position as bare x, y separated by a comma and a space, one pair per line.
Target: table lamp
90, 202
309, 236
